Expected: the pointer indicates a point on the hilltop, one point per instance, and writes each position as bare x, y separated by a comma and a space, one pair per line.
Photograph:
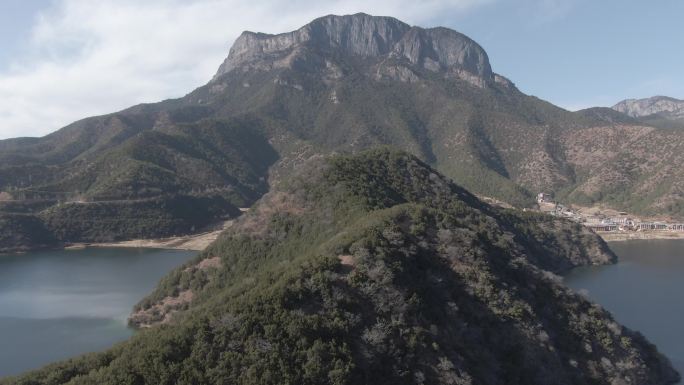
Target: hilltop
376, 269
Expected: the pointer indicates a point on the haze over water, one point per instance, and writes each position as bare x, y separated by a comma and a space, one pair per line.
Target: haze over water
643, 291
58, 304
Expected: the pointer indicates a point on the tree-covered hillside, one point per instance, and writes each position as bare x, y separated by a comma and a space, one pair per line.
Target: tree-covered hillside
376, 269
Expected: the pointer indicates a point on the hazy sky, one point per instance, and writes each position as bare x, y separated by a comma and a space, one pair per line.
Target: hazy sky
62, 60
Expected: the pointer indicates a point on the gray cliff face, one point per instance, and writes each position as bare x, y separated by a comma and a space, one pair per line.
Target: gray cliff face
662, 105
373, 38
443, 49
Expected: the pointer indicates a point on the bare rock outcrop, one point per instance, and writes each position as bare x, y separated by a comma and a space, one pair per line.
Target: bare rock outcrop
376, 38
637, 108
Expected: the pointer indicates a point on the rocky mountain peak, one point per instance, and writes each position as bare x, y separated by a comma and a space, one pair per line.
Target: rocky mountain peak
667, 106
375, 38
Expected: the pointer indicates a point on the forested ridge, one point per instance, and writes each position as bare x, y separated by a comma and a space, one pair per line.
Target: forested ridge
376, 269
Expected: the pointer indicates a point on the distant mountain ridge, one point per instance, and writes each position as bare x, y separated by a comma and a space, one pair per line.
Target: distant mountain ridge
660, 111
638, 108
338, 84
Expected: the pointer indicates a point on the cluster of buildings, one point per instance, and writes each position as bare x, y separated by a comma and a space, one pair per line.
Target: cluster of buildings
620, 222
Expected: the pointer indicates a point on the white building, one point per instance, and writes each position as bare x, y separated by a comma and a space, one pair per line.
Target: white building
643, 226
544, 198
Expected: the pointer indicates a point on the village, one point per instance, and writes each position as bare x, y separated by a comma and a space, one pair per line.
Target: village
607, 220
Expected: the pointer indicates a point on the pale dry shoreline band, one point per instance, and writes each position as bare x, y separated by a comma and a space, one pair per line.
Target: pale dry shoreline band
628, 236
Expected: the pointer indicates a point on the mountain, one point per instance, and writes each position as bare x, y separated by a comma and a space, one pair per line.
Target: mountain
376, 269
660, 111
376, 39
340, 84
639, 108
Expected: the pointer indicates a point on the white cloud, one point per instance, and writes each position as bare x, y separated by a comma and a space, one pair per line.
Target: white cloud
93, 57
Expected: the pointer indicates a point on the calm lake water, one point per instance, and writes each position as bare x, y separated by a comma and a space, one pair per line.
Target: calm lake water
643, 291
58, 304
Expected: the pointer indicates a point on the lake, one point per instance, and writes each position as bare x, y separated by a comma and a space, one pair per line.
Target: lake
58, 304
643, 291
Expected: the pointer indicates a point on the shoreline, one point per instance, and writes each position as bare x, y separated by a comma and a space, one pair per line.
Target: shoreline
194, 242
652, 235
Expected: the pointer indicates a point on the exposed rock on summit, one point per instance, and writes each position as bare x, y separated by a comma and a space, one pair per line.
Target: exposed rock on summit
380, 38
637, 108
